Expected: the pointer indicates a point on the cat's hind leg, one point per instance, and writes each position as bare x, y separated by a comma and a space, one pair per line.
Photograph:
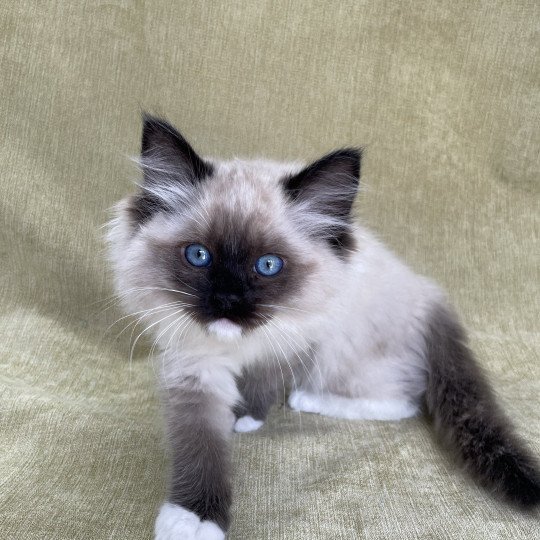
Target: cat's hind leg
362, 386
329, 404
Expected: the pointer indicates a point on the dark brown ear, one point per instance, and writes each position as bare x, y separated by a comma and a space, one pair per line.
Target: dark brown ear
328, 187
163, 144
168, 163
332, 181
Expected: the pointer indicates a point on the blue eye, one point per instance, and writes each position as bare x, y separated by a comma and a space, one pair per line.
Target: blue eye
198, 255
268, 265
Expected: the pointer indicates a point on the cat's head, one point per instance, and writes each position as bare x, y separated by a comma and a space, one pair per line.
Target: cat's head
230, 246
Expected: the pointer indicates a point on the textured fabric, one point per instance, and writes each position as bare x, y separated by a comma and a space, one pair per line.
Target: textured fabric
445, 97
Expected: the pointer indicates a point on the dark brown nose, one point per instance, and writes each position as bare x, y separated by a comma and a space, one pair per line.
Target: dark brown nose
227, 301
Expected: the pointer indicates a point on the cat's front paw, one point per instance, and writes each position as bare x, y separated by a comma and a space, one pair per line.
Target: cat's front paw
247, 423
177, 523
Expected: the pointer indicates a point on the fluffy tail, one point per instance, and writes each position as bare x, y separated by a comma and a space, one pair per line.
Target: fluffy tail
467, 417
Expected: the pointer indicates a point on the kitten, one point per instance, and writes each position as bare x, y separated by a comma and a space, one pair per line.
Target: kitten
250, 271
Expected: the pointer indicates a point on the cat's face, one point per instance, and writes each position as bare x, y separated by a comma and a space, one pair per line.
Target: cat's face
234, 244
232, 262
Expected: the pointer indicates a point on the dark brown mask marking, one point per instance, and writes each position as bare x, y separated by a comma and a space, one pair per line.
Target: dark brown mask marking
230, 287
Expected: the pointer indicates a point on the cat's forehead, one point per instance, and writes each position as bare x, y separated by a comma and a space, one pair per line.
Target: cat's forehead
242, 202
246, 187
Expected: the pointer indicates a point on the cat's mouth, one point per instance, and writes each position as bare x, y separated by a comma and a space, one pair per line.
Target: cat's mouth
224, 329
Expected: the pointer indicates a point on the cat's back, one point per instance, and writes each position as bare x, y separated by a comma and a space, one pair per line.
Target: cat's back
378, 290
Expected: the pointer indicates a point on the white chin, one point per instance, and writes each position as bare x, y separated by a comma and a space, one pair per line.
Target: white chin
225, 330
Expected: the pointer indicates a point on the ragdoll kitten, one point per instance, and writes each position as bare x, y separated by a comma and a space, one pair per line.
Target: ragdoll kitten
250, 271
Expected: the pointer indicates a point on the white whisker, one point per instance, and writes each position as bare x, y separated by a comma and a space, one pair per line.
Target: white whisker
146, 312
146, 330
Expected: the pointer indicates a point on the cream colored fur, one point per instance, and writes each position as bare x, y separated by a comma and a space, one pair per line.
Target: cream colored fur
351, 334
363, 315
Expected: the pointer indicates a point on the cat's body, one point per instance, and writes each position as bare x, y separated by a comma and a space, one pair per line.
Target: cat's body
329, 312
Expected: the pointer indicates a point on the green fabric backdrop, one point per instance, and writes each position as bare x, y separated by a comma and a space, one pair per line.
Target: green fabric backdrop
445, 95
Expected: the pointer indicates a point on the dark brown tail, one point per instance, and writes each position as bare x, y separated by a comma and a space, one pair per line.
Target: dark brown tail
467, 417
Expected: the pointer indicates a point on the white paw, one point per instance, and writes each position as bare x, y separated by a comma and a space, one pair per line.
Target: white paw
247, 423
352, 408
304, 401
177, 523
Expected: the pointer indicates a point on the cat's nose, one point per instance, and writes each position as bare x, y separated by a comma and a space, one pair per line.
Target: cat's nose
227, 301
